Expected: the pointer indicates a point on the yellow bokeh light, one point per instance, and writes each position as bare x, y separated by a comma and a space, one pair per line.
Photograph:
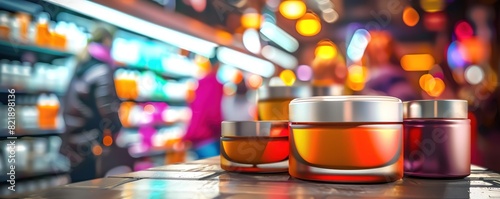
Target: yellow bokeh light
326, 49
292, 9
288, 77
410, 16
357, 77
308, 25
424, 79
254, 81
438, 88
417, 62
432, 5
251, 19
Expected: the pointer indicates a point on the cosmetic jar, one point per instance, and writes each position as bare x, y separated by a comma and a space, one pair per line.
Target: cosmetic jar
346, 139
255, 146
437, 138
273, 100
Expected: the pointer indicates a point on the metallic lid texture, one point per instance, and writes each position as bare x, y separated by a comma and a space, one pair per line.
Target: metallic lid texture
452, 109
333, 90
349, 108
277, 92
275, 128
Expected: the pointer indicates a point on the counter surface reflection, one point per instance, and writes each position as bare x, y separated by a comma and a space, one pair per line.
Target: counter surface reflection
205, 179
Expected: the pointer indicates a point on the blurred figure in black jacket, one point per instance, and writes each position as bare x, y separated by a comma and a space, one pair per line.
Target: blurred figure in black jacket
90, 106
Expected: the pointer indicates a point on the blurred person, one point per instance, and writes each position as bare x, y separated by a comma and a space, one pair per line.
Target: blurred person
204, 130
328, 72
90, 106
386, 77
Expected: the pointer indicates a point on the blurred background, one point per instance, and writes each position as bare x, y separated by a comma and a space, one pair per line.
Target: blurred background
175, 63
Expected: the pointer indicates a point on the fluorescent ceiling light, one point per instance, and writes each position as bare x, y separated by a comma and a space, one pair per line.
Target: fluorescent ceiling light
245, 62
279, 57
279, 36
138, 25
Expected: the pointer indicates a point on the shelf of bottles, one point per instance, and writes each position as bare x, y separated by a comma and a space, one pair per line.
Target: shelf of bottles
155, 83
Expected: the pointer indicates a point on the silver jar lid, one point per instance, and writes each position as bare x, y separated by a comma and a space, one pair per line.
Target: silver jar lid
453, 109
255, 128
333, 90
280, 92
350, 108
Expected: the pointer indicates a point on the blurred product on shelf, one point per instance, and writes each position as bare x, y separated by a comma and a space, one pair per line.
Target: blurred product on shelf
43, 32
152, 114
39, 77
35, 157
148, 86
48, 109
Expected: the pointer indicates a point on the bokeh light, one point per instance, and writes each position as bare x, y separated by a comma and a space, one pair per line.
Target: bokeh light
463, 30
97, 150
357, 77
438, 87
474, 50
238, 77
251, 19
410, 16
432, 5
254, 81
288, 77
454, 55
199, 5
107, 140
417, 62
435, 21
304, 73
474, 74
251, 40
229, 88
325, 49
308, 25
149, 109
358, 44
424, 79
330, 15
292, 9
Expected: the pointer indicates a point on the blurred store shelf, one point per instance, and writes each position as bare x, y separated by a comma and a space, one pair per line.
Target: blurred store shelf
149, 153
30, 133
32, 175
30, 92
15, 49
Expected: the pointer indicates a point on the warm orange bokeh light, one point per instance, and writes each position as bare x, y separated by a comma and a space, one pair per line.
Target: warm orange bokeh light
292, 9
432, 5
107, 140
357, 77
417, 62
97, 150
410, 16
288, 77
308, 25
326, 49
474, 50
438, 88
424, 79
251, 19
254, 81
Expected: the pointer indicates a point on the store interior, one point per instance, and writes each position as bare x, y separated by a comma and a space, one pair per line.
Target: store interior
163, 51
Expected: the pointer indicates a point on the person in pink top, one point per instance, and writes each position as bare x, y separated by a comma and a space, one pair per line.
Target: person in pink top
204, 130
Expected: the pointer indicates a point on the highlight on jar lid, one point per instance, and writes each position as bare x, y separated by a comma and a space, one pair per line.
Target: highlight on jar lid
347, 108
449, 108
281, 92
277, 128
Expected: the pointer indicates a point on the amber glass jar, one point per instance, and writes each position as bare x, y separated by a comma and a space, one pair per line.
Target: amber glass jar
273, 100
255, 146
437, 138
348, 139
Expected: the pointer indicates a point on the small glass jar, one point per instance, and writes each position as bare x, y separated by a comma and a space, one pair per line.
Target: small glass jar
255, 146
347, 139
273, 100
437, 138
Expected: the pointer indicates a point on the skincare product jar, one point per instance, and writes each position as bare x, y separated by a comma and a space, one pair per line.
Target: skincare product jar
346, 139
437, 138
273, 100
255, 146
